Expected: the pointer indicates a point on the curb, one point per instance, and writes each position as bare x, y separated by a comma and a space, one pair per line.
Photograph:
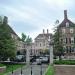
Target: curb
66, 65
46, 70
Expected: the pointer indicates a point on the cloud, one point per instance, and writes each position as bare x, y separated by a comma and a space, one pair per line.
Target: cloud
31, 16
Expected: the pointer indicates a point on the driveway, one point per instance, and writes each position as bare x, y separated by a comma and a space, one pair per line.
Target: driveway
64, 69
27, 70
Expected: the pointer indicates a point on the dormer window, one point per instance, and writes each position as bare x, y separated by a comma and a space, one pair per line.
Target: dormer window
67, 24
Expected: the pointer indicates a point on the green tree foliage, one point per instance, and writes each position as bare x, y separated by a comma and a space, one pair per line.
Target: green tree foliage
7, 44
23, 37
58, 48
26, 39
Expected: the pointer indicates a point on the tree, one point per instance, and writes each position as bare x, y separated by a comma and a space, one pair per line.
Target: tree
7, 44
23, 37
26, 39
58, 48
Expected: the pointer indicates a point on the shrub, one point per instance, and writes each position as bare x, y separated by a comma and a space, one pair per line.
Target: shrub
65, 62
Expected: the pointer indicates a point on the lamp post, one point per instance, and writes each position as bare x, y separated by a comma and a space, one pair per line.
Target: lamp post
51, 52
40, 66
12, 69
41, 69
31, 68
31, 59
21, 70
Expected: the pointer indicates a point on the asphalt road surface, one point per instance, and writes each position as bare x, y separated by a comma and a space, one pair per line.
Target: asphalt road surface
27, 70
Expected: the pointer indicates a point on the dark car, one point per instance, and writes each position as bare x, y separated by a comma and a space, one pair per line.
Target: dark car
20, 58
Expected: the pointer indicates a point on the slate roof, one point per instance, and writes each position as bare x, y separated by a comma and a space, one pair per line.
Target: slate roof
42, 35
63, 23
13, 32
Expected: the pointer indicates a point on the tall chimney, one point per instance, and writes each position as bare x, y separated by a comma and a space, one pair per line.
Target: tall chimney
47, 31
5, 20
43, 31
65, 14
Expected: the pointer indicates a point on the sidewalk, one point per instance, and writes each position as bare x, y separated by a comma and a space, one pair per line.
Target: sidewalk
64, 69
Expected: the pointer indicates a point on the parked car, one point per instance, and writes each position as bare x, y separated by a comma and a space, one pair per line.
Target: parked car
38, 61
20, 58
42, 60
32, 58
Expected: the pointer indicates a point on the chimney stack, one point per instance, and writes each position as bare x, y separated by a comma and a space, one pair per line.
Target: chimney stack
43, 31
5, 20
47, 31
65, 14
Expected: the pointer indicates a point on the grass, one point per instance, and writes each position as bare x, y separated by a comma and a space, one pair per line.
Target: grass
9, 68
50, 70
1, 65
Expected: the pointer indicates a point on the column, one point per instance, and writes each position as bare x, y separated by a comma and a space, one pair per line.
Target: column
51, 54
28, 55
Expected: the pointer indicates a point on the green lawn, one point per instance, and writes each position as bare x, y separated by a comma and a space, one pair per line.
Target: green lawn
9, 68
1, 65
50, 70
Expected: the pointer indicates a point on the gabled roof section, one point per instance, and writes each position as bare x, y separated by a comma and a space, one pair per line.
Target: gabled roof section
43, 35
63, 23
12, 31
5, 22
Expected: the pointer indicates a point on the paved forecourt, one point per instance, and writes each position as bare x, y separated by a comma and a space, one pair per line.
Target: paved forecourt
27, 70
64, 69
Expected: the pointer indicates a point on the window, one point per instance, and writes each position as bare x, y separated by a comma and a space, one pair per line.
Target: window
72, 39
63, 30
71, 30
40, 44
64, 48
72, 49
64, 40
67, 24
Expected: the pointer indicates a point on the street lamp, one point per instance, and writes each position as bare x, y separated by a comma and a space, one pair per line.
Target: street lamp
31, 68
12, 69
31, 59
21, 70
12, 66
40, 65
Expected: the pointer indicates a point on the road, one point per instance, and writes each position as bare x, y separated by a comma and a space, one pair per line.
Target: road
27, 70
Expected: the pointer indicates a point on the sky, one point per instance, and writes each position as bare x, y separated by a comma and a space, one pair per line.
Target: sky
32, 16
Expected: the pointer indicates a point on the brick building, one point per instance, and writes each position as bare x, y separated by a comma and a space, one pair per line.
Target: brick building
67, 34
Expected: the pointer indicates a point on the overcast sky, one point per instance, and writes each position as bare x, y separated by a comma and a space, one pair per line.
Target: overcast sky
32, 16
